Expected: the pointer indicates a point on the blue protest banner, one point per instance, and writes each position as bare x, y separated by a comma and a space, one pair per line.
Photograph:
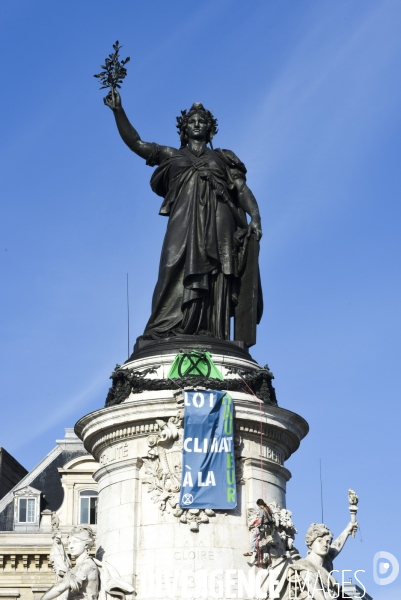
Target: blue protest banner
208, 467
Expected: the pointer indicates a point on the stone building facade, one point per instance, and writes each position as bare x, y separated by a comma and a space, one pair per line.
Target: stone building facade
57, 494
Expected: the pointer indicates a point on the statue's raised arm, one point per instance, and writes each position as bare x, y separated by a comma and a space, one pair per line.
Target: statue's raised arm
130, 135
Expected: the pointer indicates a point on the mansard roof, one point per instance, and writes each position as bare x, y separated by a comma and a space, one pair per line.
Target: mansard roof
45, 478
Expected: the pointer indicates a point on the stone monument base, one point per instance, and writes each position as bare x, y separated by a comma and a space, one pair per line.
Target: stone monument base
142, 531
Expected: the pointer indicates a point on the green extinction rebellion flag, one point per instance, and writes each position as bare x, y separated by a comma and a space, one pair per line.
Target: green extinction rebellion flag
208, 467
194, 364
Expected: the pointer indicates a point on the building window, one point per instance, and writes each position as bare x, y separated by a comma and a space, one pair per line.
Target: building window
26, 510
88, 507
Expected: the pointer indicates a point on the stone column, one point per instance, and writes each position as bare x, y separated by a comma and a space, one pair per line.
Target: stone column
118, 513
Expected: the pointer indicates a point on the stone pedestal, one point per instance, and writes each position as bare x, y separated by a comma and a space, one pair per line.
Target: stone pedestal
46, 521
138, 444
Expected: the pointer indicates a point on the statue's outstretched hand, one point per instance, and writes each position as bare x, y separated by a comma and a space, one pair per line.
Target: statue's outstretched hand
113, 100
256, 227
352, 528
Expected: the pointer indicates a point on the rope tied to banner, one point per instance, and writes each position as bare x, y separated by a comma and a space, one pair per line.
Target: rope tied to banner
252, 393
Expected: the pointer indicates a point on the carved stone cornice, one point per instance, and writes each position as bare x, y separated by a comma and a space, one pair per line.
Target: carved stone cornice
257, 463
130, 420
127, 465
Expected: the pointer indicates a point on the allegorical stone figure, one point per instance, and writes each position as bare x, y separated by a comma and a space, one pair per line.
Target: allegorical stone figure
311, 577
206, 199
90, 578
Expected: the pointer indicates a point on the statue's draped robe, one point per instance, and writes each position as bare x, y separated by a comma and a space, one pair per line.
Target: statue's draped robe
197, 286
304, 577
83, 579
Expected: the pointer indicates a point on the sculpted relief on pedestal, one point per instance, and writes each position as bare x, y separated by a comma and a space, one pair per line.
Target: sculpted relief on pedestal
163, 469
163, 464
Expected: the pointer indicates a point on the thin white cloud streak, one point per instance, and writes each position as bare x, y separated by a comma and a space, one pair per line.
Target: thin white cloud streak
289, 115
303, 79
66, 410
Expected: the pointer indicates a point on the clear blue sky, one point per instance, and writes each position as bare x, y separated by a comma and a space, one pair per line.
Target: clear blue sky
308, 95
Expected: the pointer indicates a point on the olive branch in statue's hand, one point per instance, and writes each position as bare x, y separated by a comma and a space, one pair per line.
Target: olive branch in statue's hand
113, 74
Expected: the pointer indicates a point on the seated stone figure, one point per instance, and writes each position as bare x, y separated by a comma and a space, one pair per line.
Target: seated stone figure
90, 578
311, 577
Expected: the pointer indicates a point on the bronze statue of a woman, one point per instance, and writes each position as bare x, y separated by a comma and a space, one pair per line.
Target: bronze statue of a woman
204, 254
